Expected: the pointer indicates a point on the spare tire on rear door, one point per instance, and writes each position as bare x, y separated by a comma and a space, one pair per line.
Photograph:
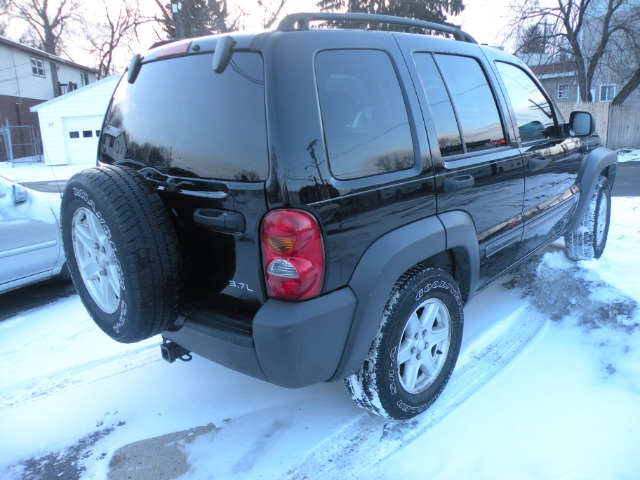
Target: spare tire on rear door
122, 252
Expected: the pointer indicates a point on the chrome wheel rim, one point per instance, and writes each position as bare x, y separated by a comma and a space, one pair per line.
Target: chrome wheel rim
96, 260
424, 345
602, 219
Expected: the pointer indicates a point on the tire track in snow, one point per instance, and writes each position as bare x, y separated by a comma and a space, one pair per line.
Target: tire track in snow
355, 450
77, 376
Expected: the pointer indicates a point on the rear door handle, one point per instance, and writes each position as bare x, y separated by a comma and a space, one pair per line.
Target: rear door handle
219, 220
455, 184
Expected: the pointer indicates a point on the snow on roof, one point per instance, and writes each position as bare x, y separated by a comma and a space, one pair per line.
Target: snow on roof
80, 91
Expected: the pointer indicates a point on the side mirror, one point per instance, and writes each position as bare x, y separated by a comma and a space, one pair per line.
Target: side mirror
20, 195
582, 124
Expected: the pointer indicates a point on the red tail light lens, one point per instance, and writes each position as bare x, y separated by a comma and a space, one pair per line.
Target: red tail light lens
292, 255
174, 49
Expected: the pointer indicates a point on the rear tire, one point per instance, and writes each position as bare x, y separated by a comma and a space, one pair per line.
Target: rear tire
588, 240
415, 351
122, 252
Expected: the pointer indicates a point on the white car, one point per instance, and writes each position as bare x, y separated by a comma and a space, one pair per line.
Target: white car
30, 245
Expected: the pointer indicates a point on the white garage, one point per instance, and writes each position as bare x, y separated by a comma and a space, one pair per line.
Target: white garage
81, 137
70, 124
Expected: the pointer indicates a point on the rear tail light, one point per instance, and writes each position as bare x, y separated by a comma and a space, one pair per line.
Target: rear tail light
292, 255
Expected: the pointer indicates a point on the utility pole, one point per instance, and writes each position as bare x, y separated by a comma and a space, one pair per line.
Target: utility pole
176, 9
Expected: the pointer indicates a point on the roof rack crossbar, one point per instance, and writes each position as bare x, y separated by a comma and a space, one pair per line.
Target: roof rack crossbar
301, 21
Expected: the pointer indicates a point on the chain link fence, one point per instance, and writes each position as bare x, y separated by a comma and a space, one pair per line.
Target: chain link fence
20, 144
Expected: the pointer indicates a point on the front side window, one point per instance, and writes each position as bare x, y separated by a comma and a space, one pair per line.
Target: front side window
607, 92
563, 91
37, 67
364, 116
533, 111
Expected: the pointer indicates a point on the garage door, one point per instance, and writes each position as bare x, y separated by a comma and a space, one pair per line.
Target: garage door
81, 138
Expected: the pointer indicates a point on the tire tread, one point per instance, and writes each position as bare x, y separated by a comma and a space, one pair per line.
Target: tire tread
146, 247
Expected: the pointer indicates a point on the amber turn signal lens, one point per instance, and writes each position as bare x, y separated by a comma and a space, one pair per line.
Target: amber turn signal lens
280, 245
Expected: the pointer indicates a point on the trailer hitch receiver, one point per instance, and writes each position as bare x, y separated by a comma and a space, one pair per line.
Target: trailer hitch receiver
171, 351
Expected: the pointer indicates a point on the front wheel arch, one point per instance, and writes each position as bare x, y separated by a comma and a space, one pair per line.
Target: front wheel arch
589, 238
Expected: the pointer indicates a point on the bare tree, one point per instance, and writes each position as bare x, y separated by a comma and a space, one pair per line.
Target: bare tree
628, 88
565, 23
270, 11
199, 17
115, 32
206, 17
623, 58
4, 14
47, 20
532, 44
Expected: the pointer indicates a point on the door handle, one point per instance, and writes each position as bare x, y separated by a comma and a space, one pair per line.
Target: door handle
219, 220
455, 184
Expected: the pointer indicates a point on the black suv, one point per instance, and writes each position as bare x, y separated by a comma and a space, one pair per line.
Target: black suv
317, 204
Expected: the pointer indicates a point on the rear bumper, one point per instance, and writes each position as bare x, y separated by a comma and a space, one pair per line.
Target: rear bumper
292, 344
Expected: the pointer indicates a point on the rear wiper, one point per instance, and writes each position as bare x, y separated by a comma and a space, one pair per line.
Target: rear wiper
169, 183
130, 162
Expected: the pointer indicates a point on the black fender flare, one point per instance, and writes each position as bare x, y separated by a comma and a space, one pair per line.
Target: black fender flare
593, 165
389, 257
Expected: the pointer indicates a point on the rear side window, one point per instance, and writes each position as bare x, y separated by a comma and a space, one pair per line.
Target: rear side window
184, 119
531, 107
462, 104
364, 116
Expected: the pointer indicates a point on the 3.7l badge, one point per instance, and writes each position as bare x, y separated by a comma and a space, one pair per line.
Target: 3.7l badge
239, 285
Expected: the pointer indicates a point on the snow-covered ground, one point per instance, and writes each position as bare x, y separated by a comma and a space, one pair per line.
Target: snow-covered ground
547, 387
38, 171
628, 155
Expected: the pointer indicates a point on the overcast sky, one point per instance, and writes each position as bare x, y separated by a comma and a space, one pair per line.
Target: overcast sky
483, 20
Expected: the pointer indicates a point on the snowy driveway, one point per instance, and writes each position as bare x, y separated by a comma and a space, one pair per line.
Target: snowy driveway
535, 395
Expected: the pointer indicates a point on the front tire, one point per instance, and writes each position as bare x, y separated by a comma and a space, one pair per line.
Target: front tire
122, 252
415, 351
588, 240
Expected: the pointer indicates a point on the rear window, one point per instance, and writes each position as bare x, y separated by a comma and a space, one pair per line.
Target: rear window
184, 119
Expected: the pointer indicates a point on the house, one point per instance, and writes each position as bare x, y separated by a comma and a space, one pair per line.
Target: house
560, 80
29, 76
617, 66
70, 125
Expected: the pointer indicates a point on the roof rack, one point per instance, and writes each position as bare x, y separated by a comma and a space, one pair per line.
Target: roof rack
300, 21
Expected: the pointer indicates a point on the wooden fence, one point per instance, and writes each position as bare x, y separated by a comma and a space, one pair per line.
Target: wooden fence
618, 125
